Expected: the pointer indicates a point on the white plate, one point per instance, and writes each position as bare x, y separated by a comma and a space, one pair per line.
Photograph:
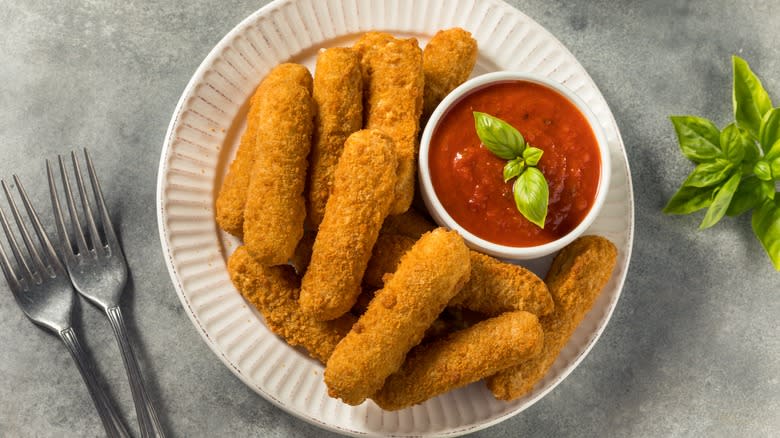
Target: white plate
202, 139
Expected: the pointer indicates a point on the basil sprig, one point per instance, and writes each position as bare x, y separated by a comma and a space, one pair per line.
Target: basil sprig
530, 188
738, 168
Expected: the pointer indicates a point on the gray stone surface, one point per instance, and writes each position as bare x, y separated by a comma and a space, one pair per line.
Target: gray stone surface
692, 349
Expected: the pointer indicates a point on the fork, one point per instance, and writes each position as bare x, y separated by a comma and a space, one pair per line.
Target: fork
41, 287
98, 271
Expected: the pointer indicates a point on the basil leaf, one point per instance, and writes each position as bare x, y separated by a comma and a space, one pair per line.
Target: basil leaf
532, 195
768, 189
513, 168
750, 99
498, 136
766, 227
721, 201
689, 199
775, 167
749, 194
709, 174
531, 155
773, 152
737, 144
769, 133
699, 138
763, 171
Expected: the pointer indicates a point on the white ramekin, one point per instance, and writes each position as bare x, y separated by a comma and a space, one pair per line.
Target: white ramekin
443, 218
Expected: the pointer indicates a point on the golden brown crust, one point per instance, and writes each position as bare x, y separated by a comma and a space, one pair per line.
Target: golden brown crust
393, 83
448, 60
385, 257
275, 207
410, 224
273, 291
338, 97
577, 276
232, 194
429, 275
461, 358
495, 287
363, 187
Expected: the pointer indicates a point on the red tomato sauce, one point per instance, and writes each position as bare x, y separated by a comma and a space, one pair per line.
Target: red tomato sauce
468, 178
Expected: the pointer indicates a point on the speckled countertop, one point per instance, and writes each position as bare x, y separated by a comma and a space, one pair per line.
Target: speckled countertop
692, 348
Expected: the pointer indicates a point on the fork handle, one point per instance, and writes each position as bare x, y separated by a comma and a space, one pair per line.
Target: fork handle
108, 414
147, 415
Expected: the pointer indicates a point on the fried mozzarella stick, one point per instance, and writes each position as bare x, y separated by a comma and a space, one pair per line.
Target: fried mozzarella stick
232, 195
385, 257
410, 224
275, 207
338, 97
495, 287
363, 187
429, 275
448, 60
576, 277
463, 357
273, 291
393, 92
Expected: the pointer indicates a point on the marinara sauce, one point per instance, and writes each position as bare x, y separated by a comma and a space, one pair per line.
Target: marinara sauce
468, 178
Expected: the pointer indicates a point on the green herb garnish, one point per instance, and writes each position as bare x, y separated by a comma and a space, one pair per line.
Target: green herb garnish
530, 189
737, 169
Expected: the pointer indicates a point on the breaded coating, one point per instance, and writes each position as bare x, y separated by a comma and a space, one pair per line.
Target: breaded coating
338, 97
232, 195
385, 257
363, 188
410, 224
448, 60
392, 95
495, 287
462, 358
273, 291
429, 275
576, 277
302, 255
275, 207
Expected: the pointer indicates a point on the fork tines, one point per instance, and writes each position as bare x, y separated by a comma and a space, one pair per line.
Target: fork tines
98, 241
41, 258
